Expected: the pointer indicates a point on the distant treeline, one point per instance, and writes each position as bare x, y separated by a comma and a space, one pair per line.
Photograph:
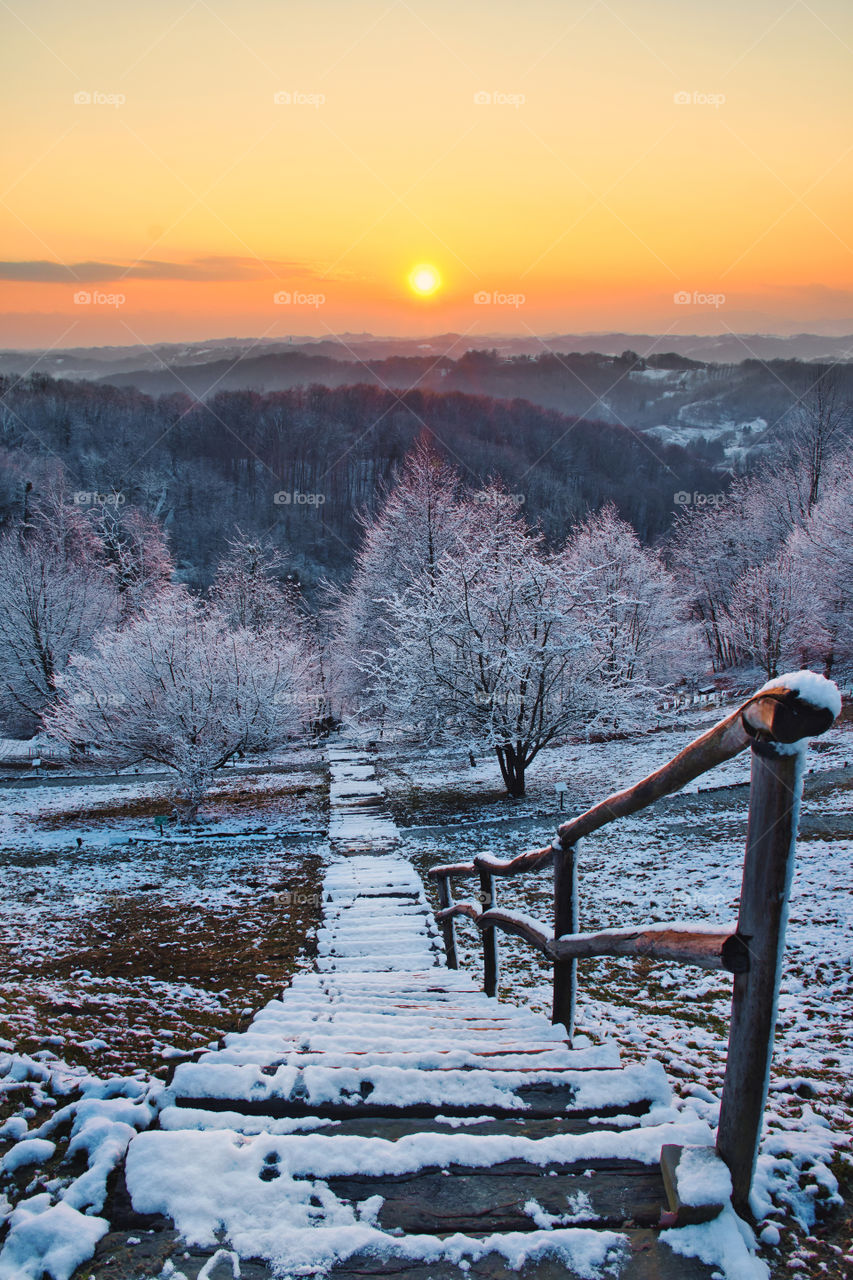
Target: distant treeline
301, 463
663, 389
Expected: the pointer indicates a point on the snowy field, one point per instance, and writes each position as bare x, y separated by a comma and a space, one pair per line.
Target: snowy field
118, 959
680, 860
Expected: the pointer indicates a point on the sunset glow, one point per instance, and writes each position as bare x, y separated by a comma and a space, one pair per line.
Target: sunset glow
187, 167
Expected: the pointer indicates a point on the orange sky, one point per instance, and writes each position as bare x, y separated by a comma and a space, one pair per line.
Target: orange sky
268, 167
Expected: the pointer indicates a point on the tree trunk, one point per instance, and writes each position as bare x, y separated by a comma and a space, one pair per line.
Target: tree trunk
513, 762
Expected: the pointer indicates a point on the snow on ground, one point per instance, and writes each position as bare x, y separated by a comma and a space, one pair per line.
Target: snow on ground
119, 958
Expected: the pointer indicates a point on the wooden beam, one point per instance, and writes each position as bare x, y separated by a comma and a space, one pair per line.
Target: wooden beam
767, 872
565, 975
696, 946
469, 909
452, 869
447, 927
490, 937
535, 860
779, 715
510, 922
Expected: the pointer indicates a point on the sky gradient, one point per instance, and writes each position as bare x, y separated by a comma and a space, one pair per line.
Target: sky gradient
178, 172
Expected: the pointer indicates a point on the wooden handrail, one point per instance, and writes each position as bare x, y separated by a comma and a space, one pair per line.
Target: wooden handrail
769, 722
774, 715
688, 944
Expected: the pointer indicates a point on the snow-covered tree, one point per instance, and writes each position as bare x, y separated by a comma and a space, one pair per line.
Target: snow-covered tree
180, 687
252, 588
484, 646
819, 431
56, 592
415, 524
135, 548
628, 605
714, 545
761, 616
822, 555
255, 592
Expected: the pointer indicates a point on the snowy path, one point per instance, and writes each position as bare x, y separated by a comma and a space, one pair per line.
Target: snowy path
385, 1118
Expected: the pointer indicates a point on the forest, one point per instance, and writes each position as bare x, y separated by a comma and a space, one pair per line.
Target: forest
203, 468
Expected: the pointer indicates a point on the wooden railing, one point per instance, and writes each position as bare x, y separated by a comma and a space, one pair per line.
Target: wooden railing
772, 723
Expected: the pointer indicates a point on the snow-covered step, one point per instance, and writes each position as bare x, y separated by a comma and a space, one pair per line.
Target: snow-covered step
390, 1127
303, 1201
287, 1090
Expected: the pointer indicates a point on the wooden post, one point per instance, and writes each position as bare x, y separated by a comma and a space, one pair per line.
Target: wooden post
565, 921
774, 798
448, 929
490, 937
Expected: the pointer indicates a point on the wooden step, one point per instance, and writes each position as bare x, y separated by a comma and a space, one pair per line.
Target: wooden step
511, 1197
391, 1128
642, 1256
380, 1090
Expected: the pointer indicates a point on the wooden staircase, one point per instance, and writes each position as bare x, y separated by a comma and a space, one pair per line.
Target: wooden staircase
386, 1118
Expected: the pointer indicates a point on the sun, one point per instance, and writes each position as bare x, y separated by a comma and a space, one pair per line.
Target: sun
424, 279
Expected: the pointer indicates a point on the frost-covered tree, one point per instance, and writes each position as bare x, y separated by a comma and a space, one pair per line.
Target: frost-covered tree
822, 555
255, 592
180, 687
56, 592
818, 433
251, 586
484, 646
713, 546
628, 605
761, 616
415, 524
135, 548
